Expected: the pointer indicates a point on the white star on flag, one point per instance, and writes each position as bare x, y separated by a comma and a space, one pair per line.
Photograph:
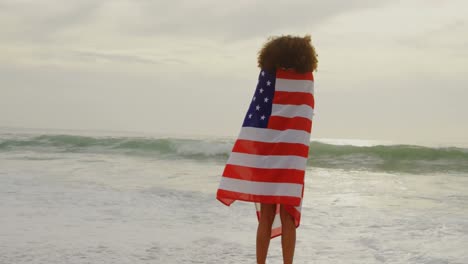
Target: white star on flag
250, 115
258, 107
263, 73
268, 83
261, 90
266, 99
263, 117
254, 98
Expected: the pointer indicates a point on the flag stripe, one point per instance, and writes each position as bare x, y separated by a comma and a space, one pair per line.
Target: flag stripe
283, 74
261, 188
273, 162
292, 111
285, 85
271, 135
264, 175
264, 148
272, 199
284, 123
293, 98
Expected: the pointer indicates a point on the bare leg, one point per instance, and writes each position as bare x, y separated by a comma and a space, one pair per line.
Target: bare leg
288, 237
267, 215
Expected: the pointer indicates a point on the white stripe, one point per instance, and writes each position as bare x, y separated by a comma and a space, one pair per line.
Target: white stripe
273, 136
285, 85
292, 111
261, 188
267, 162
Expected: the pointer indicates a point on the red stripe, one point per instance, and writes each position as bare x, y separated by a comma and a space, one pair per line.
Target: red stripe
264, 175
226, 201
288, 200
283, 123
284, 74
266, 148
294, 98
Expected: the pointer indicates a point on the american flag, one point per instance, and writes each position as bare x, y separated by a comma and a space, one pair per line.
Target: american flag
268, 161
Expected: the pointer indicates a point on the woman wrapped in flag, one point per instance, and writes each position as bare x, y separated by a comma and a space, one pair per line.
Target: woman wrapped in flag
268, 161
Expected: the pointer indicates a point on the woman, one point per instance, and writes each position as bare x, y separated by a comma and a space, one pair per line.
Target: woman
267, 163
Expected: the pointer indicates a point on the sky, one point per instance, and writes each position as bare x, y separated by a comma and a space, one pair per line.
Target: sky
388, 70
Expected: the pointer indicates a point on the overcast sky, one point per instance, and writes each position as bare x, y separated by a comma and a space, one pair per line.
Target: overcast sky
389, 70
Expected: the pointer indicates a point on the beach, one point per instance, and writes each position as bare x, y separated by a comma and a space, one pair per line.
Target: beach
74, 197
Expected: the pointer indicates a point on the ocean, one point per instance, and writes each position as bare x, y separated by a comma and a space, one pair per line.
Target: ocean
88, 197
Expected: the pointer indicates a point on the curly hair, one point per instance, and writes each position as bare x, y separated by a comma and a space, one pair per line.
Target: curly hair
290, 52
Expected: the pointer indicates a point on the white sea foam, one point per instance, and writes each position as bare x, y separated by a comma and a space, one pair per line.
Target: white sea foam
342, 154
203, 147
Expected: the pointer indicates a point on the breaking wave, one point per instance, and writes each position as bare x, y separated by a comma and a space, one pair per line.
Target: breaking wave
392, 158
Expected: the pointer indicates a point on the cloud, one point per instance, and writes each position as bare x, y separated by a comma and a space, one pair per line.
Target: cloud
42, 20
449, 37
137, 57
114, 57
225, 20
237, 20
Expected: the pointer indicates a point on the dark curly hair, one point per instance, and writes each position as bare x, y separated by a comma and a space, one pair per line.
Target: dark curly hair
290, 52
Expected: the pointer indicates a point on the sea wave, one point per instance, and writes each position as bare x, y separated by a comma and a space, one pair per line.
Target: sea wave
392, 158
